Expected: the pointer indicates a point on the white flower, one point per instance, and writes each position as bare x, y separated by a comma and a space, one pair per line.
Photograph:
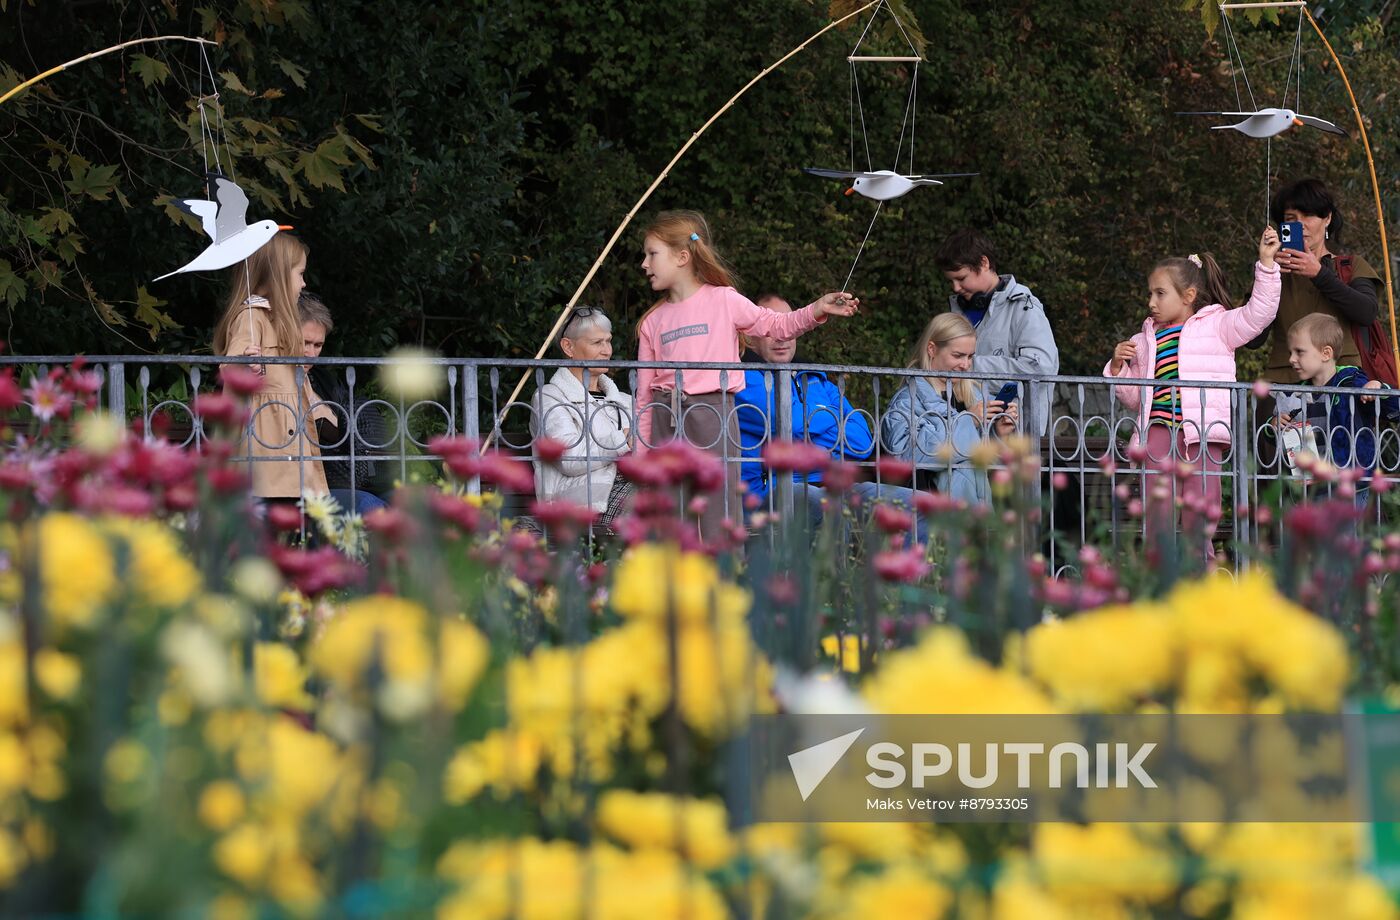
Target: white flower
323, 510
256, 579
412, 376
100, 433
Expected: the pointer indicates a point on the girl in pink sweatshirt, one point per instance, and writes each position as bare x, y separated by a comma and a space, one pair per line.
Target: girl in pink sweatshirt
1191, 333
699, 318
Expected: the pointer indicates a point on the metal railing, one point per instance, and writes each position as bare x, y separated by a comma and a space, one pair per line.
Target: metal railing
1090, 478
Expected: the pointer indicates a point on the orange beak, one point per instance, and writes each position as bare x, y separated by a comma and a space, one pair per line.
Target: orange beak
851, 191
284, 227
1298, 122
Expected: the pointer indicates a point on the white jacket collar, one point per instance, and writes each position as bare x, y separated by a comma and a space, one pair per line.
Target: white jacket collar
573, 389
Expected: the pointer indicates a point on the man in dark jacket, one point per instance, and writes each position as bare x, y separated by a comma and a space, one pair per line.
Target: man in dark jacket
367, 484
821, 414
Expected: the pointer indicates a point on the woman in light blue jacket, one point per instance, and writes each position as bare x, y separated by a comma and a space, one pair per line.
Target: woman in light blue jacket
921, 426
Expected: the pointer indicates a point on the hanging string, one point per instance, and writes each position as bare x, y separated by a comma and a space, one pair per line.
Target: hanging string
852, 65
1296, 59
913, 116
904, 125
1268, 178
864, 135
849, 274
1237, 53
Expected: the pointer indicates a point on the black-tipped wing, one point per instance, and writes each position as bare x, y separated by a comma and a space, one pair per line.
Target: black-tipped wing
834, 173
1324, 124
1221, 114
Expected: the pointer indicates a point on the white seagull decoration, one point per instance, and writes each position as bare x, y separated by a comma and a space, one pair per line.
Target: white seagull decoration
1269, 122
225, 220
883, 184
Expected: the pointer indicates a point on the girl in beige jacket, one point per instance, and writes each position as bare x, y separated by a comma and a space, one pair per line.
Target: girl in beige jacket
261, 319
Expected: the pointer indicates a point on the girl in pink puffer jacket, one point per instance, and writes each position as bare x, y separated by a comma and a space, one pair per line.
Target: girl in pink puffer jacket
1191, 334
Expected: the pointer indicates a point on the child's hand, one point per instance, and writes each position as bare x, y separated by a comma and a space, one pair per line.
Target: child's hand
838, 304
1268, 246
253, 351
1123, 352
1371, 385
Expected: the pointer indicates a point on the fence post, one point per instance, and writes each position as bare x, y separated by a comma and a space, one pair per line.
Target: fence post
471, 422
116, 390
782, 427
1243, 450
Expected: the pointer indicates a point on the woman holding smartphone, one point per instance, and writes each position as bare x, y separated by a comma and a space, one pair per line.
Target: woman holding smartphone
1316, 279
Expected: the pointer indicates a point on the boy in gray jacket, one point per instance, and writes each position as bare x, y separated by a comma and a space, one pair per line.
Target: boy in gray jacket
1013, 333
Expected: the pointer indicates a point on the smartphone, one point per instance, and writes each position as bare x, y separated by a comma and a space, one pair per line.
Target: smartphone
1290, 235
1006, 394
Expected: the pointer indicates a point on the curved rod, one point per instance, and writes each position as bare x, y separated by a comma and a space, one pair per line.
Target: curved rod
661, 177
87, 57
1375, 185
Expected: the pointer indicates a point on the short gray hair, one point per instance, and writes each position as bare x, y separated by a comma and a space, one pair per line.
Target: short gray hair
312, 310
580, 324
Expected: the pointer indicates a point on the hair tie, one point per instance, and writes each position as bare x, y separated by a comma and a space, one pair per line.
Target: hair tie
1195, 260
694, 237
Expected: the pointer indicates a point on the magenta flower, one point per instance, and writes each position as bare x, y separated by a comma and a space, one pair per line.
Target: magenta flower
241, 380
905, 566
891, 519
548, 450
507, 472
795, 457
893, 469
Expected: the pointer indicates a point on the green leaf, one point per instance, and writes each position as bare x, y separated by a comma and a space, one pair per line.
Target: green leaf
355, 147
149, 315
232, 82
320, 166
12, 286
69, 247
97, 182
297, 74
150, 70
45, 274
373, 122
56, 220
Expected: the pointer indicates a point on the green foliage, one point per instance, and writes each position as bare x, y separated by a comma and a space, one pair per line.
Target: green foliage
457, 169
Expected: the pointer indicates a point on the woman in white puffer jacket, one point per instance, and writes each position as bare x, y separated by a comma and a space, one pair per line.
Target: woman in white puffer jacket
564, 411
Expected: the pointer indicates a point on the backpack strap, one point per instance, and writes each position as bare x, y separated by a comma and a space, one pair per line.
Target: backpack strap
1344, 268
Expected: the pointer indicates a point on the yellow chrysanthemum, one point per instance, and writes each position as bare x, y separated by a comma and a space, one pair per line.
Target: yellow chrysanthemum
158, 571
278, 676
57, 674
221, 805
1104, 660
656, 581
697, 830
76, 567
941, 675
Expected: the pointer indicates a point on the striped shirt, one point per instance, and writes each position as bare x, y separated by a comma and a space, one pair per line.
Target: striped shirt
1166, 400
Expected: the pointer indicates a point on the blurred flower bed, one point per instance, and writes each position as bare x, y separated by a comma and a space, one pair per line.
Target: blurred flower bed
428, 712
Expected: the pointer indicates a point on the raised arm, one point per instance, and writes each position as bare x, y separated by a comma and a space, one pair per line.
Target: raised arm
1239, 326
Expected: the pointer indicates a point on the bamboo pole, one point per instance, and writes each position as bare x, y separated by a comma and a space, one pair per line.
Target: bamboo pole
588, 279
96, 54
1375, 186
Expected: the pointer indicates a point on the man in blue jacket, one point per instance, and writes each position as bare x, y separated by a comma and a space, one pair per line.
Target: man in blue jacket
820, 414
